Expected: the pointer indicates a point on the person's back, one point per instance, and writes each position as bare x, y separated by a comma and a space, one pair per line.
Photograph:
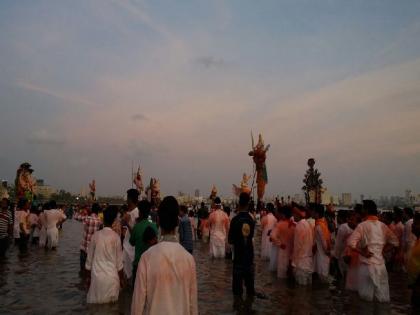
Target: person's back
104, 261
219, 225
241, 233
186, 233
167, 273
166, 279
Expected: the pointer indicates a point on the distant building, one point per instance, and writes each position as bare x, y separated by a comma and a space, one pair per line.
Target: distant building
197, 193
44, 191
346, 199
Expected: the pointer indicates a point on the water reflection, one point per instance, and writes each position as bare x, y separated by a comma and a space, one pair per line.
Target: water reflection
48, 282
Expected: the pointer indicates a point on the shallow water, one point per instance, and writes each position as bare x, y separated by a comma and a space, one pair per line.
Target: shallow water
48, 282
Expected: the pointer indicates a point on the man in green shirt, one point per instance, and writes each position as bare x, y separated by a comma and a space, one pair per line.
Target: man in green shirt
137, 238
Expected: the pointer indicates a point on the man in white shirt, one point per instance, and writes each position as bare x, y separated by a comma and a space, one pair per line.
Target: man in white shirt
166, 280
130, 219
369, 239
53, 218
219, 226
104, 261
409, 238
302, 257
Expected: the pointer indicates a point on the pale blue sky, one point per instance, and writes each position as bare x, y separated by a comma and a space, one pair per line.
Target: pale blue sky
88, 86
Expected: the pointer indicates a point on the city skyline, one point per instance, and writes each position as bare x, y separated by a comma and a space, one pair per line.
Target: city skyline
89, 87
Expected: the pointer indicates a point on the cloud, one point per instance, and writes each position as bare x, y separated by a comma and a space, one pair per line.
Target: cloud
211, 62
44, 137
50, 92
139, 117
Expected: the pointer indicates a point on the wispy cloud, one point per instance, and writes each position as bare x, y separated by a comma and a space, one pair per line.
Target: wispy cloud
44, 137
210, 62
50, 92
139, 117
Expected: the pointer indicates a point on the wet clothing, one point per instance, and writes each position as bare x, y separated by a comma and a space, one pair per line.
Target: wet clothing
128, 249
137, 239
104, 260
302, 258
282, 236
166, 281
219, 225
186, 233
373, 276
52, 218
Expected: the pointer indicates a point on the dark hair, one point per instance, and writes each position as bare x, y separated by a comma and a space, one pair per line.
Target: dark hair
370, 207
149, 234
227, 210
110, 214
168, 213
191, 213
95, 208
243, 199
21, 203
409, 212
144, 208
183, 209
133, 195
53, 204
217, 200
287, 211
358, 208
270, 207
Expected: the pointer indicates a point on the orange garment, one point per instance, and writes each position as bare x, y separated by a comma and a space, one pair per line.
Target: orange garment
323, 224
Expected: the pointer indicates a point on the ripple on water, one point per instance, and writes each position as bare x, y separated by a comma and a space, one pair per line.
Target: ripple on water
48, 282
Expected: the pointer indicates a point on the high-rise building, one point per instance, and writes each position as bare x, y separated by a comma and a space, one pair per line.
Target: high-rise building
346, 199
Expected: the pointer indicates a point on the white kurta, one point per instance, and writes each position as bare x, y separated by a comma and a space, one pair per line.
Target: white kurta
268, 223
52, 218
42, 230
166, 281
218, 223
104, 259
321, 259
128, 250
343, 233
373, 277
409, 239
282, 236
302, 258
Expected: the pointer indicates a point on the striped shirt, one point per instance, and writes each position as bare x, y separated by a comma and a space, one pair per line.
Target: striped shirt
6, 220
91, 224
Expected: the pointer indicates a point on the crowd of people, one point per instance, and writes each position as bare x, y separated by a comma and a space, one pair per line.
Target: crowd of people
149, 248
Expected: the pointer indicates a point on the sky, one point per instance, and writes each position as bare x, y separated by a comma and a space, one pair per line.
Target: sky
89, 87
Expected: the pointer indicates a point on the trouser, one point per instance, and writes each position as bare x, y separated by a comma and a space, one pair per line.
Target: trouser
23, 242
83, 257
4, 245
373, 283
243, 274
303, 277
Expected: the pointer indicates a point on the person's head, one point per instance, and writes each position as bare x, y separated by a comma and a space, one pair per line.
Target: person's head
110, 214
217, 203
387, 218
191, 213
144, 207
95, 208
318, 211
408, 213
298, 213
5, 203
23, 204
415, 228
370, 207
183, 210
132, 198
243, 200
202, 204
342, 216
149, 236
227, 210
168, 214
53, 204
270, 207
398, 214
353, 219
286, 211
